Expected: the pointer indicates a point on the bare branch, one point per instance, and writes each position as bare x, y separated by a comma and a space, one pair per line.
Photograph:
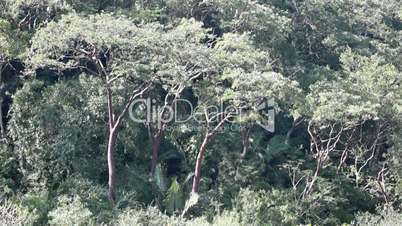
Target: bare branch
136, 93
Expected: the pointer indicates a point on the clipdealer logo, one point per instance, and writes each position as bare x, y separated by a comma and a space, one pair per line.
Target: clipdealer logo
149, 111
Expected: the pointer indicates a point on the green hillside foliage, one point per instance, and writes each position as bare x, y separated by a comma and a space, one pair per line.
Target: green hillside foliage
200, 112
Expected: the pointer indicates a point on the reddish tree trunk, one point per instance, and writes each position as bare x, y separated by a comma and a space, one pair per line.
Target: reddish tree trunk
111, 167
198, 164
156, 140
246, 142
113, 124
208, 136
3, 130
156, 143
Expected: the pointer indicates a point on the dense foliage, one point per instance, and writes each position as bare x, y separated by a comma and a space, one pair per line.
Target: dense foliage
200, 112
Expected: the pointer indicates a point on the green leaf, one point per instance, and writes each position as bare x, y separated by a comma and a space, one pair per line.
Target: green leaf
174, 200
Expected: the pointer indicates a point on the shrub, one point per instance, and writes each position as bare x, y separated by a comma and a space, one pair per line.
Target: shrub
227, 218
387, 217
38, 204
92, 195
153, 217
148, 217
11, 214
265, 208
8, 170
70, 211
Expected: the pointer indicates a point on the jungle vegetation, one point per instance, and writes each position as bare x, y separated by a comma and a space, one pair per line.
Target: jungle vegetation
200, 112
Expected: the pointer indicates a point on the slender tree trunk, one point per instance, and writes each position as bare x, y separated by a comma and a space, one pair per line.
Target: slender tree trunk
111, 167
309, 186
156, 139
200, 157
246, 142
198, 164
2, 129
111, 193
114, 124
156, 144
288, 135
295, 123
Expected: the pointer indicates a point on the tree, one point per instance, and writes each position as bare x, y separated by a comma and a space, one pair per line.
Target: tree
265, 22
4, 48
355, 114
31, 14
184, 60
229, 71
106, 46
10, 66
56, 130
241, 85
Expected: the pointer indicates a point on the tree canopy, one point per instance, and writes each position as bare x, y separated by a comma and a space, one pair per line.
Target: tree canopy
200, 112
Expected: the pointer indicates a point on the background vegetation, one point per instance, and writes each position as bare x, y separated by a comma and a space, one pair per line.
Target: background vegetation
70, 155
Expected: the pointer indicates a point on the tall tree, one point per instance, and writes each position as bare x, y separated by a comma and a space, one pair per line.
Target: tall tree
10, 66
110, 47
184, 59
353, 117
239, 88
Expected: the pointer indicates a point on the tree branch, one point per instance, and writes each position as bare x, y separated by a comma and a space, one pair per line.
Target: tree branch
136, 93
